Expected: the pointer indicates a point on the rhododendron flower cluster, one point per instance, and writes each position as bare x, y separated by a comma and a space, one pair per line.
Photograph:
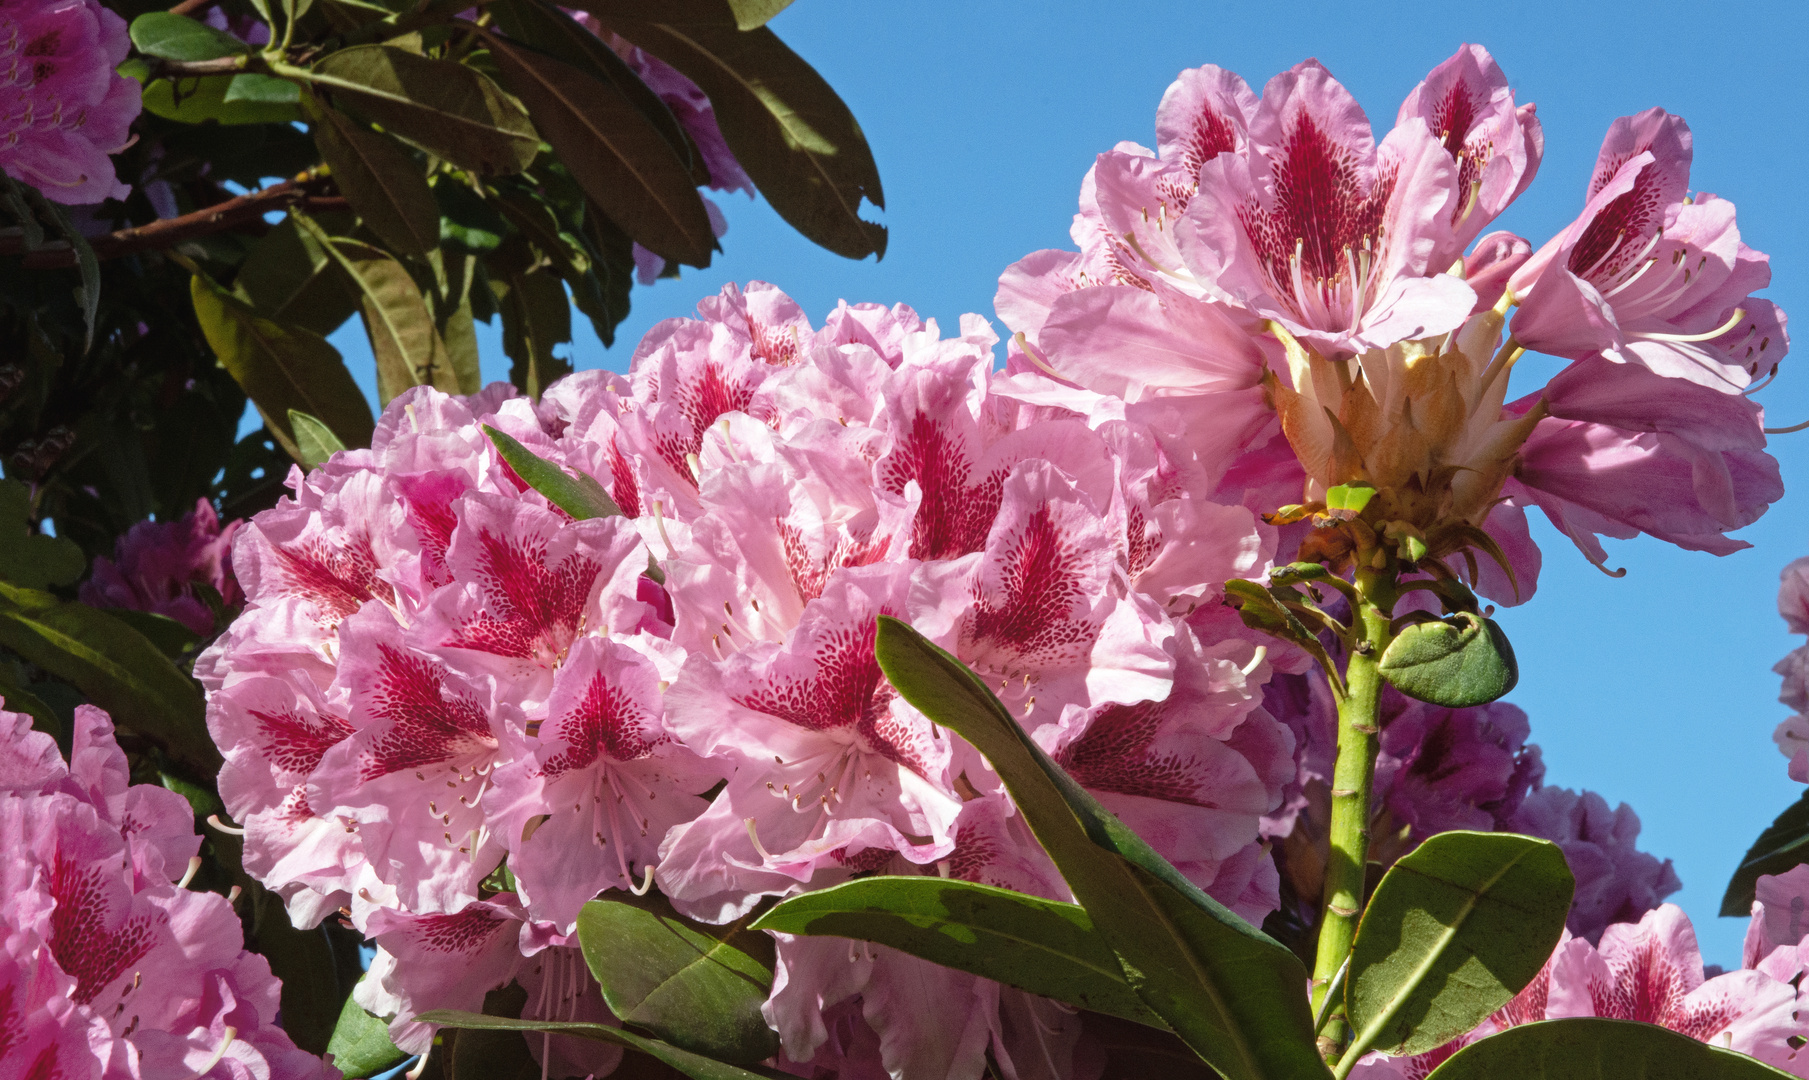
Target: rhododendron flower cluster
1276, 281
158, 566
1792, 736
62, 107
1652, 971
439, 673
110, 967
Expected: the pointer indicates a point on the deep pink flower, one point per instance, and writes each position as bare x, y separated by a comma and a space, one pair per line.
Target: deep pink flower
63, 109
108, 967
1616, 882
157, 565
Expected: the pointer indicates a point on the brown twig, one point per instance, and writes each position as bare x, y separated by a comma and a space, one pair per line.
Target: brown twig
225, 216
180, 69
188, 6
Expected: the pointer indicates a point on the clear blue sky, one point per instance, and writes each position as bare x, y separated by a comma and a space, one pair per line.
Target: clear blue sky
1654, 689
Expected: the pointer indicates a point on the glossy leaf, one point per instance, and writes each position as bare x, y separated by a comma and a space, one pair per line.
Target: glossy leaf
245, 98
546, 27
797, 140
172, 638
379, 178
536, 316
696, 986
115, 666
1456, 928
614, 152
1783, 845
695, 1066
360, 1044
168, 36
1043, 946
281, 368
581, 497
29, 559
445, 108
314, 439
1588, 1048
1456, 662
451, 302
1232, 993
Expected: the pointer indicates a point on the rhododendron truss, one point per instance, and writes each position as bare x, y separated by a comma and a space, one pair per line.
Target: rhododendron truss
1321, 316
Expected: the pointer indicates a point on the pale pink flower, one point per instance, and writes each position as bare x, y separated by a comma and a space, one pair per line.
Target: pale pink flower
157, 564
1647, 275
63, 106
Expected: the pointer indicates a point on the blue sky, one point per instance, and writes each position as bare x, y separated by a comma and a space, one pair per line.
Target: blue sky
1654, 689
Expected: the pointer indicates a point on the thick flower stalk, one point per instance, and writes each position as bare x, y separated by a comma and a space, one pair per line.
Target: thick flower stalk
111, 966
62, 107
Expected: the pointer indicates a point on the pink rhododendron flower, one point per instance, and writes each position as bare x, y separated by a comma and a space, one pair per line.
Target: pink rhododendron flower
1297, 299
1792, 736
1616, 882
109, 966
63, 106
157, 565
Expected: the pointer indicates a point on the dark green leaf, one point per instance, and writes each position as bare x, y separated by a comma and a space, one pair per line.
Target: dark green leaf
314, 439
115, 666
696, 986
1456, 928
177, 37
1456, 662
360, 1044
1233, 994
465, 218
546, 27
721, 14
614, 152
382, 182
1592, 1049
171, 637
1785, 844
281, 368
796, 138
31, 559
290, 278
581, 496
16, 697
312, 998
695, 1066
536, 317
455, 273
246, 98
445, 108
1039, 945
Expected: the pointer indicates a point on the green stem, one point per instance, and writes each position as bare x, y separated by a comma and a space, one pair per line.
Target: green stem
1358, 727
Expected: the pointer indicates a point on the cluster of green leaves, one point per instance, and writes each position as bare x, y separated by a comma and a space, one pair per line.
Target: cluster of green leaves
497, 166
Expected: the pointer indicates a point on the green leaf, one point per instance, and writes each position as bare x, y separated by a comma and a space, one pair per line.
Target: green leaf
1458, 661
797, 140
360, 1044
465, 218
445, 108
1593, 1049
245, 98
1783, 845
289, 278
1261, 609
451, 300
404, 339
741, 14
30, 559
115, 666
696, 986
178, 37
314, 439
1043, 946
536, 316
546, 27
1456, 928
616, 154
753, 14
581, 496
1233, 994
695, 1066
281, 368
379, 178
1348, 500
172, 638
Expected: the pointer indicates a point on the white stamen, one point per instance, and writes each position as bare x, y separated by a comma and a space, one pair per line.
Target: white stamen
765, 855
1733, 321
214, 820
194, 864
231, 1034
646, 885
1262, 651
